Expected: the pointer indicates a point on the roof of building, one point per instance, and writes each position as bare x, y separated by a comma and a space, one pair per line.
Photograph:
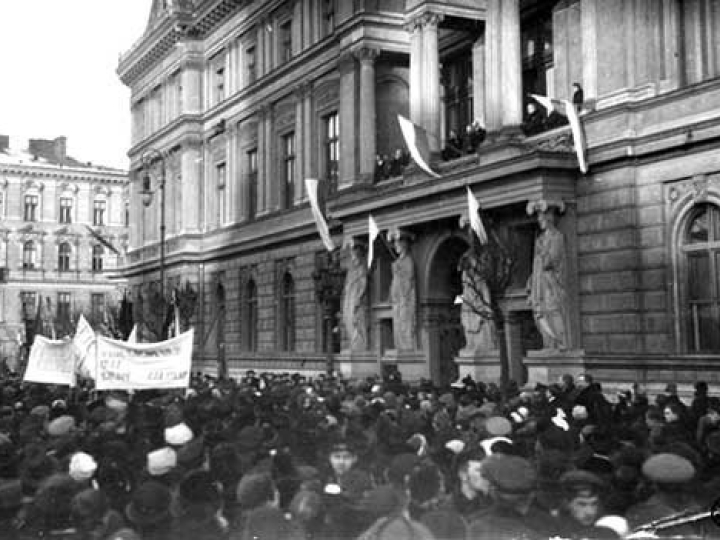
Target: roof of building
9, 156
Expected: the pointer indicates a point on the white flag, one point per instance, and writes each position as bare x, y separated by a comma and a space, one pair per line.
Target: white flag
373, 232
476, 223
564, 107
416, 141
84, 343
311, 184
132, 338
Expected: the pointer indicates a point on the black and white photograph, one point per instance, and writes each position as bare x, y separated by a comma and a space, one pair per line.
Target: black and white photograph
360, 269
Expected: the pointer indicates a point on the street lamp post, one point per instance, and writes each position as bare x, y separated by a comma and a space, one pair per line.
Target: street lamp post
148, 159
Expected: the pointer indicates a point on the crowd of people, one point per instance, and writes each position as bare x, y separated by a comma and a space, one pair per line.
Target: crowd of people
391, 166
283, 456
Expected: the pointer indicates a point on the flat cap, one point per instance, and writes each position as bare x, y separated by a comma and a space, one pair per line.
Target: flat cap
62, 425
580, 479
668, 469
509, 474
498, 426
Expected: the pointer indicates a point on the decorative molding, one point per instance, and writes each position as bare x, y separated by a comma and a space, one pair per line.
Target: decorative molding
366, 54
284, 115
34, 184
431, 18
99, 189
697, 189
67, 186
327, 94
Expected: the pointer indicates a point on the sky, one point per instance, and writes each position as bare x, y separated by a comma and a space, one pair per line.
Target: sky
58, 60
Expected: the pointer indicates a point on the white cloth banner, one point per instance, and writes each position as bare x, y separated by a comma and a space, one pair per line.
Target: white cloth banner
138, 366
51, 362
476, 223
84, 342
311, 185
373, 233
416, 141
564, 107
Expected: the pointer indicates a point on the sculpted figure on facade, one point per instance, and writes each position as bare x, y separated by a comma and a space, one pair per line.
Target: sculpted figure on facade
355, 298
403, 293
475, 314
547, 286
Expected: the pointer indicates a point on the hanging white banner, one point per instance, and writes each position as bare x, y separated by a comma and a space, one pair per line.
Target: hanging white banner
138, 366
51, 362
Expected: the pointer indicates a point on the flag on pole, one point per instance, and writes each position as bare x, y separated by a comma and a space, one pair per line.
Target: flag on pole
132, 338
100, 238
311, 185
476, 223
417, 144
373, 232
567, 109
84, 342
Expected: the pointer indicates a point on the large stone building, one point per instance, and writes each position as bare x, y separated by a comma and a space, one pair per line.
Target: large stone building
242, 100
55, 212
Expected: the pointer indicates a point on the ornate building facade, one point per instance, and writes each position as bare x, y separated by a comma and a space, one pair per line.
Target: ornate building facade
245, 99
53, 210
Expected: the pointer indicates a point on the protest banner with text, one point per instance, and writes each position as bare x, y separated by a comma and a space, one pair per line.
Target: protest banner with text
137, 366
51, 362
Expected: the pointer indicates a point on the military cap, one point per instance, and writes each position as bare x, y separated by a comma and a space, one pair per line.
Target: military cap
580, 479
668, 469
509, 474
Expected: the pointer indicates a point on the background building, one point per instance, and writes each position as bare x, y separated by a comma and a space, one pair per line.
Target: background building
246, 99
53, 210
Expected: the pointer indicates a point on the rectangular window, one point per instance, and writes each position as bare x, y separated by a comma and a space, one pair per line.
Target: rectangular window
31, 204
252, 176
220, 178
328, 17
97, 305
250, 65
65, 210
29, 304
97, 258
289, 169
63, 306
99, 212
331, 131
29, 255
219, 89
285, 45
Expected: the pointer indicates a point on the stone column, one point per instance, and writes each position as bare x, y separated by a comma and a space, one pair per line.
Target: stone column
493, 78
416, 76
588, 24
511, 64
270, 191
307, 24
232, 171
430, 87
348, 120
367, 112
191, 78
478, 63
260, 49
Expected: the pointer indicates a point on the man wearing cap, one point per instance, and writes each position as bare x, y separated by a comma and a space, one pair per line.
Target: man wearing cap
581, 504
512, 515
671, 476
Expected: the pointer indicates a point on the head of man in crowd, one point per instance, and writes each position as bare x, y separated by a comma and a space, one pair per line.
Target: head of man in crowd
581, 497
472, 482
342, 457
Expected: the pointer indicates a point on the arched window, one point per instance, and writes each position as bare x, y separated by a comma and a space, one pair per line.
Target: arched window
29, 255
251, 318
700, 249
286, 321
97, 258
64, 257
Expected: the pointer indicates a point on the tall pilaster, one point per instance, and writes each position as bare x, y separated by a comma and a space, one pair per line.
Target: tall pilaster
478, 65
307, 25
348, 119
367, 56
232, 173
511, 64
300, 135
672, 72
190, 178
493, 73
308, 142
191, 78
588, 24
414, 27
263, 150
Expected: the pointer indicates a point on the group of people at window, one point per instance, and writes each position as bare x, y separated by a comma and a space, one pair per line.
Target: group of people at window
391, 166
458, 145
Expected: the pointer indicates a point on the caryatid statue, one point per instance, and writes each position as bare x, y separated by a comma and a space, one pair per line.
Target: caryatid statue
403, 293
355, 297
547, 286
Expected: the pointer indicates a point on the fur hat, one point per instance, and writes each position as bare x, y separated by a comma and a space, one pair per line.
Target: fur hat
161, 461
62, 425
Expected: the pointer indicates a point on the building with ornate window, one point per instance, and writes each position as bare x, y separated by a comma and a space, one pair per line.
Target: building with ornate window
53, 209
246, 99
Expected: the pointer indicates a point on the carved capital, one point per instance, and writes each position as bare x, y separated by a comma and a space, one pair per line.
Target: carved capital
302, 90
366, 55
346, 61
431, 20
414, 24
544, 205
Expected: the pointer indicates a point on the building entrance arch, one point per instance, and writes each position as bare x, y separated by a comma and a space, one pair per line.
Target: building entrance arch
442, 287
